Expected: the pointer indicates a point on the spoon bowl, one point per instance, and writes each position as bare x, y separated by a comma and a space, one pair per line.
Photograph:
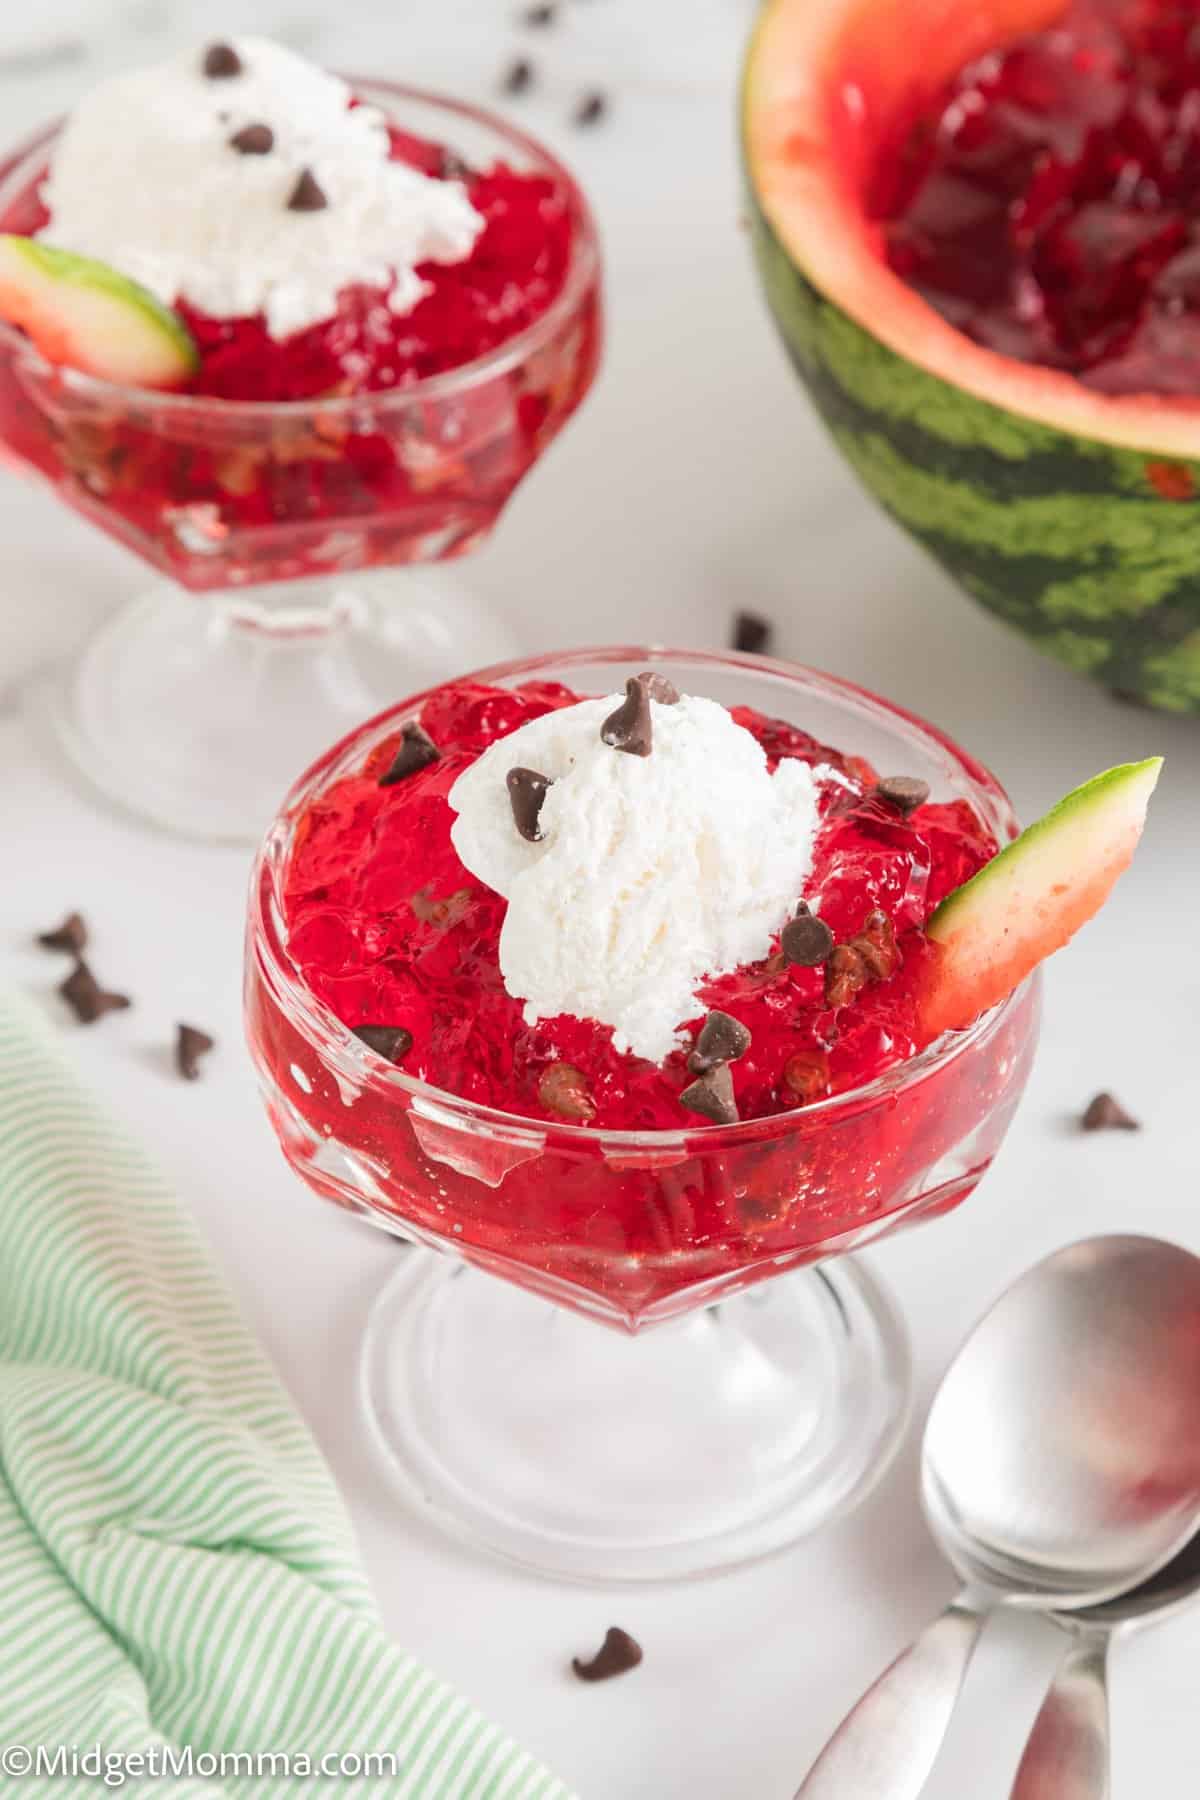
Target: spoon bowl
1061, 1461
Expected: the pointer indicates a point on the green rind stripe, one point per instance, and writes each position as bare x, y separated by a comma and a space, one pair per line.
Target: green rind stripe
1109, 793
53, 264
1067, 539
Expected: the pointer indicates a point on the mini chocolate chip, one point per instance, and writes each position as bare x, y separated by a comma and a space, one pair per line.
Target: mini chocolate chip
563, 1089
539, 16
392, 1042
751, 634
71, 935
720, 1039
308, 195
591, 108
190, 1045
253, 140
221, 61
454, 167
518, 77
659, 688
86, 998
630, 728
712, 1096
616, 1656
526, 791
806, 940
904, 792
417, 750
1105, 1113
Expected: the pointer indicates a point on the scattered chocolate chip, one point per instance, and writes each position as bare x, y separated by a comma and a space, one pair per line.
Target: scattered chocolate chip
659, 688
86, 998
253, 140
417, 750
563, 1089
751, 634
221, 61
903, 792
454, 167
308, 195
806, 940
806, 1074
592, 107
392, 1042
630, 728
540, 16
720, 1039
519, 77
616, 1656
526, 791
71, 935
1105, 1113
190, 1045
712, 1096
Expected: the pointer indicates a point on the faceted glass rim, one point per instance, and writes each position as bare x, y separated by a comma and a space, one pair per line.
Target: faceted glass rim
343, 1053
582, 276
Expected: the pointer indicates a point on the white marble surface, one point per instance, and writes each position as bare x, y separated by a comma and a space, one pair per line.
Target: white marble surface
694, 481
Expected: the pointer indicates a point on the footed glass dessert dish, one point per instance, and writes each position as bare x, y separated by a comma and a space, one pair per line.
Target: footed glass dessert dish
280, 489
773, 1387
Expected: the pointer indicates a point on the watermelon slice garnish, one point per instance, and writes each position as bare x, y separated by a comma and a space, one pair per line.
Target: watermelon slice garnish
1032, 898
88, 316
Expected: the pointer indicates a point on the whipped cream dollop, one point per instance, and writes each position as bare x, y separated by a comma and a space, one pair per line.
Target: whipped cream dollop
146, 177
652, 873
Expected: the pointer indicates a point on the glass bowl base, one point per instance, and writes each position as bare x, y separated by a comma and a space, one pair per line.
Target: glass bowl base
194, 712
584, 1454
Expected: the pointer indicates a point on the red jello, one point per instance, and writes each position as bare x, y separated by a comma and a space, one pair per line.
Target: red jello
341, 451
514, 272
389, 928
542, 1154
1047, 202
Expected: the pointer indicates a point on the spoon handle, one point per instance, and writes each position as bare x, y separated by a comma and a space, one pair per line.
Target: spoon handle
886, 1746
1066, 1757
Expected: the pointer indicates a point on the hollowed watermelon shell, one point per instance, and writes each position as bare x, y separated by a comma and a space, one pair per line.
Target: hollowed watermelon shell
1074, 516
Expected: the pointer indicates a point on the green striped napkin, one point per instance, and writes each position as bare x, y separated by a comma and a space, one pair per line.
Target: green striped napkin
177, 1576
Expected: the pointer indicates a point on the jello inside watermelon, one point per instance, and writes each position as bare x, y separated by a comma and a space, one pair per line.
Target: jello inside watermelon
1047, 201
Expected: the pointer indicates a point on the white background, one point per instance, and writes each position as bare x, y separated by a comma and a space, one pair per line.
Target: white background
694, 481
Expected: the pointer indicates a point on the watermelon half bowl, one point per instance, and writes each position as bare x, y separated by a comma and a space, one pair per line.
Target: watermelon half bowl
1073, 515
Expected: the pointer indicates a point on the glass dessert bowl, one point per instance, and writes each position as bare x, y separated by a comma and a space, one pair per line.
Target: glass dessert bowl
760, 1409
271, 497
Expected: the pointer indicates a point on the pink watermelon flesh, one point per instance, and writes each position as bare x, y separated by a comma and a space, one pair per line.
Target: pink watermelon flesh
1032, 898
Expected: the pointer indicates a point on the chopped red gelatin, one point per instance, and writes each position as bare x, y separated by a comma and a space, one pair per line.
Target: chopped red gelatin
515, 271
387, 926
1048, 203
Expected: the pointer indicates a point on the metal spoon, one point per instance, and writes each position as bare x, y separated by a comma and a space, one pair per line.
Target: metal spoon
1067, 1754
1060, 1467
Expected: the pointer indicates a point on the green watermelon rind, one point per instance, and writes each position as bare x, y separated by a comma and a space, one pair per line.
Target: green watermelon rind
1066, 538
1032, 897
171, 351
1122, 793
